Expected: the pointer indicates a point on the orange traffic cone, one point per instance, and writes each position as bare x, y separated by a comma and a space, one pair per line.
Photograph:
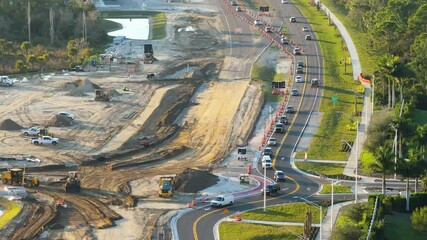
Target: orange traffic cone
194, 202
238, 217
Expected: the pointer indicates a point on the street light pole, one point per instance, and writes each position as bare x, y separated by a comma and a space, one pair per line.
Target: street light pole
320, 212
357, 159
332, 206
265, 182
357, 152
373, 93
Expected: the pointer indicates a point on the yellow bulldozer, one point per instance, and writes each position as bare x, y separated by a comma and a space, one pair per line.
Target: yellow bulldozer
100, 95
73, 183
166, 186
17, 176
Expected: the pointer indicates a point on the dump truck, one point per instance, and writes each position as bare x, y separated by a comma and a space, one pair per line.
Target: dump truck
100, 95
73, 183
166, 186
18, 176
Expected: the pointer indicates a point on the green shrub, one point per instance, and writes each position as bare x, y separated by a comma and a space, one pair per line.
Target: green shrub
419, 219
418, 200
399, 204
388, 204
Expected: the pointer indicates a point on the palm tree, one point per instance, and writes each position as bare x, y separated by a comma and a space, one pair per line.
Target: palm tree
413, 166
419, 140
383, 163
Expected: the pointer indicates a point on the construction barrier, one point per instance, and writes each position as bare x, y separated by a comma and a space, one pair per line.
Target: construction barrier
193, 202
238, 216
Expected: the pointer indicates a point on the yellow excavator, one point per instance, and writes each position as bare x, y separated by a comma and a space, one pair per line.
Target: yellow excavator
18, 176
166, 187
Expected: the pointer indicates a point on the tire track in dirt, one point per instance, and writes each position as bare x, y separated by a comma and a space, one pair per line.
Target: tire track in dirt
41, 215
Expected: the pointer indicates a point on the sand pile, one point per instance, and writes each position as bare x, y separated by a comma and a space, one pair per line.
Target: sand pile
79, 87
59, 121
9, 124
113, 93
192, 180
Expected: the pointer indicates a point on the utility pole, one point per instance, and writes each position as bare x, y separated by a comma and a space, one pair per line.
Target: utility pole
29, 20
265, 194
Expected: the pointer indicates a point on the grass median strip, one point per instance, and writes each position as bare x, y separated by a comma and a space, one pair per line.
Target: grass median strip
248, 231
327, 169
338, 83
10, 209
327, 189
293, 212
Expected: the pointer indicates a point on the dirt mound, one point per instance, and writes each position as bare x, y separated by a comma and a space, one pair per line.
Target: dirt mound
9, 124
192, 180
80, 86
76, 93
59, 121
113, 93
86, 86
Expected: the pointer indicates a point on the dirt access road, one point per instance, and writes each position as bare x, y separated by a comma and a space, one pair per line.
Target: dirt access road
227, 105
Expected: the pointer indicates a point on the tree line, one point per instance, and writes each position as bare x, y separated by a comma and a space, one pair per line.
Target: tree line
397, 36
36, 35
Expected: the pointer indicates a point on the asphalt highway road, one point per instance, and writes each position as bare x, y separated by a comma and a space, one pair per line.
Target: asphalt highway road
199, 224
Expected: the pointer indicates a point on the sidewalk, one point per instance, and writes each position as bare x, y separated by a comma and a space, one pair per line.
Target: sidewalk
327, 221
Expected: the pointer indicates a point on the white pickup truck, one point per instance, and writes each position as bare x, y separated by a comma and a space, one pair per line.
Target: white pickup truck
45, 140
6, 81
33, 131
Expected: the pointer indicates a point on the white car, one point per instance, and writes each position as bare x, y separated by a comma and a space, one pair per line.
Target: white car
305, 29
69, 115
298, 79
294, 92
284, 1
267, 164
272, 142
257, 22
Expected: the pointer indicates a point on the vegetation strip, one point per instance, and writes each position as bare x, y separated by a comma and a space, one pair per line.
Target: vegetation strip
10, 210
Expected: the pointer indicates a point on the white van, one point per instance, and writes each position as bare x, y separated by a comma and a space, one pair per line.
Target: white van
222, 200
266, 158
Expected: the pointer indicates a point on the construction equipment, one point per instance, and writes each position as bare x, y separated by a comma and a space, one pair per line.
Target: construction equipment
244, 178
17, 176
100, 95
126, 88
73, 182
166, 186
149, 54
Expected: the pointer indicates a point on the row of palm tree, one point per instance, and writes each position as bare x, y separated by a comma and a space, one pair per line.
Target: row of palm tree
410, 159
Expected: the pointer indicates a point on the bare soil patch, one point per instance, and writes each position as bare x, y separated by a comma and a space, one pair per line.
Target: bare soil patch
193, 180
9, 124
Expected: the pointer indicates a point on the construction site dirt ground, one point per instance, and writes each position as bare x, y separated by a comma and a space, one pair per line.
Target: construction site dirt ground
160, 127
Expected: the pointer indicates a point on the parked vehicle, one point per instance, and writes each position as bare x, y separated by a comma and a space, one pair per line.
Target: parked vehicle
222, 200
272, 142
45, 140
6, 81
69, 115
33, 131
279, 176
18, 176
271, 188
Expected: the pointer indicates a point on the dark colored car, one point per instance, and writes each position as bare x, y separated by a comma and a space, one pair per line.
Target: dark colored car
279, 176
272, 188
289, 109
283, 119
